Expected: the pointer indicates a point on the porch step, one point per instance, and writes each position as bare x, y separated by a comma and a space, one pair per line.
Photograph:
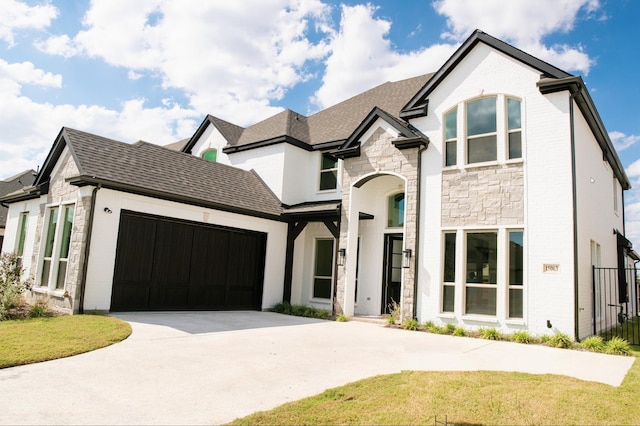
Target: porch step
375, 319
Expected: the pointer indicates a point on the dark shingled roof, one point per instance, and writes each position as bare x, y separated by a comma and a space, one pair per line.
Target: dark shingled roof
13, 184
153, 170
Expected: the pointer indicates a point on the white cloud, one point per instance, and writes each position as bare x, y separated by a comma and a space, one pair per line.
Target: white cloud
622, 141
523, 23
27, 73
362, 57
58, 45
228, 62
18, 15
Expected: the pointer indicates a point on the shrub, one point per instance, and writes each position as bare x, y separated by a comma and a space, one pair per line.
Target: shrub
593, 344
428, 325
394, 311
391, 320
522, 337
451, 327
459, 331
560, 340
617, 346
342, 318
300, 311
411, 324
11, 284
39, 310
490, 333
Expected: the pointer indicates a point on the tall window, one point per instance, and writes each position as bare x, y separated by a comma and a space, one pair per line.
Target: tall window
395, 211
449, 276
323, 269
481, 273
328, 172
451, 137
481, 130
615, 194
516, 273
22, 233
210, 155
514, 128
56, 246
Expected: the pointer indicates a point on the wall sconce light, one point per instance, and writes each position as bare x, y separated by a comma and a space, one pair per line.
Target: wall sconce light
342, 253
107, 210
549, 325
406, 258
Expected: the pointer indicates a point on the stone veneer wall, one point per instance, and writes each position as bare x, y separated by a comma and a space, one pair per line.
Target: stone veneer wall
62, 192
483, 196
378, 154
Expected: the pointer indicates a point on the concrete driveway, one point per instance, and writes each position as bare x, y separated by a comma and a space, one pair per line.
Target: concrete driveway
211, 367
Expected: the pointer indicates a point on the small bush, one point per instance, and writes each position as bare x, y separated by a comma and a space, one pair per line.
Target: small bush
560, 340
11, 284
39, 310
617, 346
435, 329
300, 310
342, 318
459, 331
410, 324
489, 333
593, 344
394, 311
391, 320
522, 337
451, 327
544, 339
428, 325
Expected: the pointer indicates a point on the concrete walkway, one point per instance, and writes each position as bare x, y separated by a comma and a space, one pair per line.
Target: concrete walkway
211, 367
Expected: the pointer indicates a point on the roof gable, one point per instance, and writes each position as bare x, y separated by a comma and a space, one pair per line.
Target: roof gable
417, 106
229, 131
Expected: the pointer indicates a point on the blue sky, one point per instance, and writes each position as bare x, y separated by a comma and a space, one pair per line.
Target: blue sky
152, 69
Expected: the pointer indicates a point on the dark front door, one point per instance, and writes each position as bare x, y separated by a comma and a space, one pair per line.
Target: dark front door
169, 264
392, 274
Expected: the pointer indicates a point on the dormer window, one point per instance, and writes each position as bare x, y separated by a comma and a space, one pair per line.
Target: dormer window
210, 155
328, 173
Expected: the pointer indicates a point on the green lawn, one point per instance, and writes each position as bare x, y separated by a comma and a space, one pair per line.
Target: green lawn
482, 397
27, 341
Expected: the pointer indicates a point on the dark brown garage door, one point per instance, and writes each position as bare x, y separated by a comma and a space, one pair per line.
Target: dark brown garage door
167, 264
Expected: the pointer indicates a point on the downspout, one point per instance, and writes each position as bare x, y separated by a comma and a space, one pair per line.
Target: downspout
87, 249
417, 248
575, 217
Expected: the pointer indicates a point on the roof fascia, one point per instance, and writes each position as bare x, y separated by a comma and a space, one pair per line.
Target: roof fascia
132, 189
43, 176
579, 92
201, 129
230, 149
417, 106
369, 120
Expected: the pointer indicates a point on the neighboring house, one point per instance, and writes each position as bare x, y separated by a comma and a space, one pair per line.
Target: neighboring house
479, 195
8, 186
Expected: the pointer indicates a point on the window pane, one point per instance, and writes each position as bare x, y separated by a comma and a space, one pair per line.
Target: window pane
513, 111
322, 288
448, 297
480, 301
482, 149
210, 155
515, 303
515, 258
23, 233
395, 212
515, 145
328, 162
62, 273
51, 232
66, 232
449, 257
324, 258
482, 257
328, 180
481, 116
46, 268
451, 122
451, 155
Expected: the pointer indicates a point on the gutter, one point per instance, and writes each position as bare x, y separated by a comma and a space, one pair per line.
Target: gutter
575, 216
416, 256
87, 249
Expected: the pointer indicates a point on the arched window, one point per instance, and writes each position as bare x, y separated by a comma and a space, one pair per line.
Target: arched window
210, 155
395, 210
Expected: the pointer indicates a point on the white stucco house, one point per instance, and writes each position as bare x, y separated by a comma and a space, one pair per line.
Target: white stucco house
480, 195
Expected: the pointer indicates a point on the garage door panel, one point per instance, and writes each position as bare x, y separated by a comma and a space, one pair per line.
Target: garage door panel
186, 265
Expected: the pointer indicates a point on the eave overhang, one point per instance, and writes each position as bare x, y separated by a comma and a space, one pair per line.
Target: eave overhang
230, 149
578, 91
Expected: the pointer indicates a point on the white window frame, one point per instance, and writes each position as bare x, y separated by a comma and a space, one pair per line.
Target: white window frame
404, 212
335, 169
54, 266
455, 140
455, 271
499, 273
21, 237
312, 295
508, 271
508, 131
468, 138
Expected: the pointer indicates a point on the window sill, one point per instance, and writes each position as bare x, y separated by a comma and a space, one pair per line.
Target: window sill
515, 321
321, 301
61, 294
326, 191
514, 161
447, 315
480, 318
479, 165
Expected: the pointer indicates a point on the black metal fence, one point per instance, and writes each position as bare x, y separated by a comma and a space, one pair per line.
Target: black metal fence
615, 304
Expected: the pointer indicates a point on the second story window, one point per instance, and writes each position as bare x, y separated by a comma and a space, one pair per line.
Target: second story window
210, 155
481, 130
451, 137
328, 173
514, 128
